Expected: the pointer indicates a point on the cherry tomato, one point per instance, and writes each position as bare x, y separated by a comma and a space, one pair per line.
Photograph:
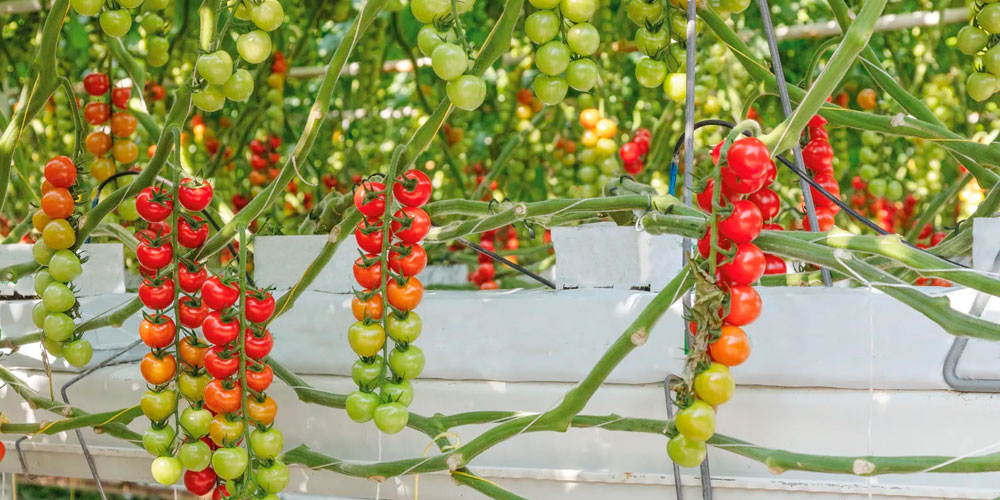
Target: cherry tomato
371, 308
193, 355
96, 113
154, 204
746, 267
419, 223
686, 452
58, 203
258, 345
767, 201
193, 233
123, 124
818, 156
154, 256
266, 444
125, 151
696, 422
220, 399
366, 340
194, 195
157, 332
218, 365
218, 330
743, 224
744, 305
391, 418
157, 406
120, 95
158, 370
866, 99
775, 264
707, 195
410, 264
60, 172
715, 385
218, 294
824, 219
369, 239
259, 306
732, 347
191, 277
259, 380
416, 196
368, 203
262, 412
742, 185
96, 84
368, 277
405, 297
829, 183
748, 158
223, 431
157, 294
704, 247
200, 483
98, 143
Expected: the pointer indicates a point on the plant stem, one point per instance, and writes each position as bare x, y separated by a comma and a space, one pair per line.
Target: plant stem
931, 210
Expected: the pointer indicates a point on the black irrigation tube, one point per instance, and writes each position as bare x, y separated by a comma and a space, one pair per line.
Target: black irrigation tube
497, 257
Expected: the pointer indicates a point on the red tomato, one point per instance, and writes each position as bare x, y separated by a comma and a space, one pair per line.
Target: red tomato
824, 219
60, 172
742, 185
96, 84
96, 113
818, 156
154, 255
369, 203
193, 233
828, 182
219, 330
410, 264
704, 246
767, 201
746, 267
744, 305
258, 345
200, 483
369, 235
259, 379
775, 264
416, 196
192, 312
191, 277
416, 227
154, 204
368, 277
743, 224
120, 95
157, 294
748, 158
220, 365
259, 305
220, 399
194, 195
706, 196
218, 294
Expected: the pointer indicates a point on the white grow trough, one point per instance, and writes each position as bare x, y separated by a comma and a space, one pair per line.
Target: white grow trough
834, 371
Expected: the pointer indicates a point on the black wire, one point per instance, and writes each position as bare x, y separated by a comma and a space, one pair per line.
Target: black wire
819, 188
498, 257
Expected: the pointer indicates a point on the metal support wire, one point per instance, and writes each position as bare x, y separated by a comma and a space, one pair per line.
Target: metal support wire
497, 257
786, 106
951, 376
65, 397
678, 490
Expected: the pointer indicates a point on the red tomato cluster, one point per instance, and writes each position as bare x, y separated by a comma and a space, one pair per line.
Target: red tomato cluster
633, 153
527, 104
397, 248
264, 160
818, 157
114, 123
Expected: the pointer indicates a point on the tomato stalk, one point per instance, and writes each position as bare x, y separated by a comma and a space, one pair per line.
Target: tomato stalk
245, 392
387, 219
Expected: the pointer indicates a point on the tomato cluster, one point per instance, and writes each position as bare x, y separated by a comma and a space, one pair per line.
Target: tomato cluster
442, 39
634, 152
598, 157
56, 310
527, 104
108, 111
977, 39
658, 38
818, 157
563, 51
264, 159
485, 273
392, 258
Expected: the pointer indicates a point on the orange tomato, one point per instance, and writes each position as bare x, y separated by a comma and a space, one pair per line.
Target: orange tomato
155, 334
57, 203
405, 297
158, 371
60, 172
39, 219
589, 139
221, 430
866, 99
732, 348
257, 178
96, 113
262, 411
102, 168
589, 117
123, 124
98, 143
192, 355
47, 186
606, 128
220, 399
371, 307
125, 151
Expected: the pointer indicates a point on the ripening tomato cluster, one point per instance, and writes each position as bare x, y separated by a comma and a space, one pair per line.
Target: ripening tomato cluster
56, 310
115, 125
598, 159
264, 160
527, 104
485, 271
634, 152
818, 157
398, 249
563, 52
438, 40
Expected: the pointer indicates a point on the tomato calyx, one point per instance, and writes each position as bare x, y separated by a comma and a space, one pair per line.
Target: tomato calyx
157, 317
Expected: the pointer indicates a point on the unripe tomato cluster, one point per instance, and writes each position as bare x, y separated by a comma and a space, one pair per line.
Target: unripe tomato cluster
154, 26
598, 157
659, 40
56, 310
220, 77
441, 39
977, 39
565, 40
390, 292
116, 20
114, 124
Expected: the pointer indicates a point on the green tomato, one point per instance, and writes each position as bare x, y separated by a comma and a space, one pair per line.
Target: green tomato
726, 7
274, 96
971, 40
542, 26
87, 7
215, 67
151, 23
675, 85
239, 86
267, 15
650, 73
193, 386
195, 455
588, 156
361, 405
867, 155
587, 174
449, 61
38, 314
159, 442
401, 392
407, 364
368, 374
650, 42
868, 172
129, 4
166, 470
254, 47
230, 463
894, 191
272, 478
427, 11
551, 90
552, 58
157, 4
78, 352
878, 187
715, 385
581, 74
642, 12
116, 23
41, 252
609, 166
41, 280
583, 39
871, 138
991, 60
686, 452
467, 92
989, 18
606, 147
578, 11
404, 330
429, 37
696, 422
267, 444
209, 99
391, 418
981, 86
64, 266
53, 347
57, 297
195, 421
544, 4
127, 210
157, 406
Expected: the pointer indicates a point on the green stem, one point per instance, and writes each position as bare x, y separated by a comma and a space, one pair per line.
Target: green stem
940, 200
